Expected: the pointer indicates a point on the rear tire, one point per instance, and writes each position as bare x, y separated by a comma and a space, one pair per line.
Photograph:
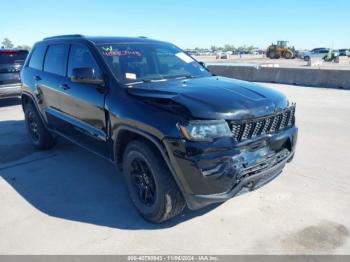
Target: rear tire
151, 186
38, 134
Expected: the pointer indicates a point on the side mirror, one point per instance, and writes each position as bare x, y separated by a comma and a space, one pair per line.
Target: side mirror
85, 75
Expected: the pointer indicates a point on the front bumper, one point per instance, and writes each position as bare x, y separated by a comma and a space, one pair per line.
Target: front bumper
209, 172
10, 90
245, 185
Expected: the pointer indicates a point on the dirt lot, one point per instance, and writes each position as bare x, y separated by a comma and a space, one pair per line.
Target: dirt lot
261, 60
69, 201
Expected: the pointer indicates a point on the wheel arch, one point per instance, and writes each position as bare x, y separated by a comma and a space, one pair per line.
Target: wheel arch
26, 98
125, 134
29, 98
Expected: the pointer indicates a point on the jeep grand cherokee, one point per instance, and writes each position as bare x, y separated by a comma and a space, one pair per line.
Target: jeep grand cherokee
180, 135
11, 61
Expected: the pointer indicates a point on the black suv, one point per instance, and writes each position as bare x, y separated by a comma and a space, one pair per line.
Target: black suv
180, 135
11, 61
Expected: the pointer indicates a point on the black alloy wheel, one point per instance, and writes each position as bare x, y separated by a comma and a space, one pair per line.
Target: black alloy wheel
143, 181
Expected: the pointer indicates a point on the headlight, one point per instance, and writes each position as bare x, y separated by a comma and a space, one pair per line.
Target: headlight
205, 130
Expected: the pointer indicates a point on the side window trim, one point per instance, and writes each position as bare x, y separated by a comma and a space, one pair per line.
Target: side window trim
45, 46
68, 57
46, 49
30, 57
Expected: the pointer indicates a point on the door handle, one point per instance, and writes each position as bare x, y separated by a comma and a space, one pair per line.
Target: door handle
64, 86
37, 78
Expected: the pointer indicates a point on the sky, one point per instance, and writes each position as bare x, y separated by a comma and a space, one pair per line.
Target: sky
193, 23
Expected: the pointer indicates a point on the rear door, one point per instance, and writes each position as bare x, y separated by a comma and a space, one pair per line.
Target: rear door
82, 105
33, 72
11, 62
49, 81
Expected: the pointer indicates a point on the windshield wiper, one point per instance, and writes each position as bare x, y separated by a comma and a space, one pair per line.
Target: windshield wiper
140, 81
181, 76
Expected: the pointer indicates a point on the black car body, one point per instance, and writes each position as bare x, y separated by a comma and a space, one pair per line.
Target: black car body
11, 61
217, 137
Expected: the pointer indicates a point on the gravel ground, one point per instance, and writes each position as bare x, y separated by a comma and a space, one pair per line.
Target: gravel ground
69, 201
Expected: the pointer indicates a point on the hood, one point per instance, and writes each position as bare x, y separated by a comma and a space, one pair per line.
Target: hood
215, 97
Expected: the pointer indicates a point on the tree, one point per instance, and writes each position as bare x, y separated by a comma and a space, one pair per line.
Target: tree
199, 49
214, 48
25, 47
229, 47
7, 43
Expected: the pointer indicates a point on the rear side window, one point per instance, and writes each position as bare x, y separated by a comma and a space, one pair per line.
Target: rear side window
56, 59
80, 56
37, 57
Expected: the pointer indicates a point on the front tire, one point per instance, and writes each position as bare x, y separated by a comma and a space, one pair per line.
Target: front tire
288, 55
272, 55
151, 186
38, 134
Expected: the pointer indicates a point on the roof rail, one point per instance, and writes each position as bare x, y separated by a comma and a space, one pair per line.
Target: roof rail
62, 36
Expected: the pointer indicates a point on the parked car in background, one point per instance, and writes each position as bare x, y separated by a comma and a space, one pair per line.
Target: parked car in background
255, 52
192, 53
224, 55
316, 52
335, 53
344, 52
300, 53
11, 61
180, 135
241, 52
206, 53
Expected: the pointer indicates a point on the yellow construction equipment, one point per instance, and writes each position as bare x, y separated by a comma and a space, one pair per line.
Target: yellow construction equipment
281, 49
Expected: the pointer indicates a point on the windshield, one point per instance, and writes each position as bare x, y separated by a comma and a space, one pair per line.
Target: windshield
142, 62
12, 57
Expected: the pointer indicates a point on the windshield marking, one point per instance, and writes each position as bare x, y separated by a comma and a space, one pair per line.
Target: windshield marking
108, 51
144, 63
130, 76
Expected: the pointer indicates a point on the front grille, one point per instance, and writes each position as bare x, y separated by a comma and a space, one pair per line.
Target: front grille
253, 128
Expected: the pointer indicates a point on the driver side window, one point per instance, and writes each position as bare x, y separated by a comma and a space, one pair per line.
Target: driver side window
80, 56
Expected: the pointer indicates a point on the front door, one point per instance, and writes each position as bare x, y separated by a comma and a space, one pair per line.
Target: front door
82, 105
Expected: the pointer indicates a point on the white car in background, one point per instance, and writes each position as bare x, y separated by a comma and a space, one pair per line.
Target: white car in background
224, 55
317, 52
